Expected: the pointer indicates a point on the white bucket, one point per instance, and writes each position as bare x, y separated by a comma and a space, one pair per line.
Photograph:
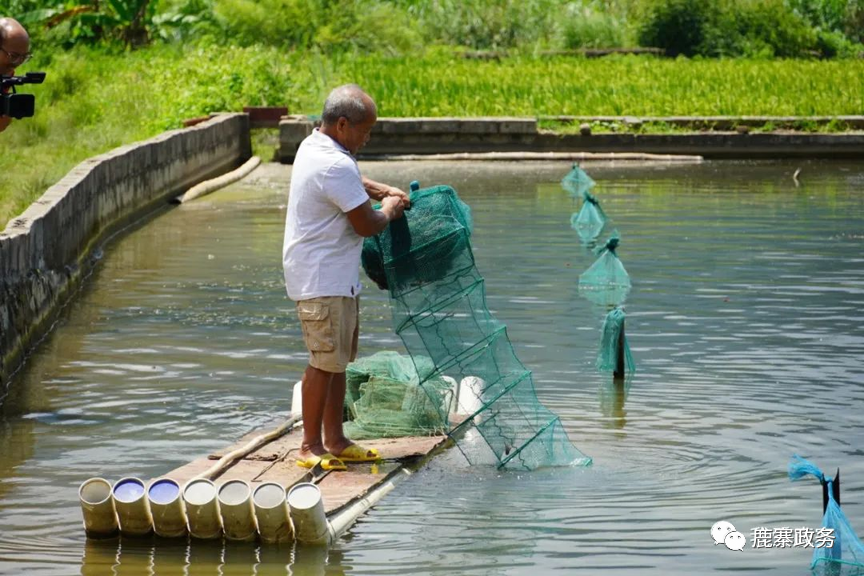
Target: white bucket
307, 514
166, 507
235, 507
97, 506
271, 510
202, 509
133, 509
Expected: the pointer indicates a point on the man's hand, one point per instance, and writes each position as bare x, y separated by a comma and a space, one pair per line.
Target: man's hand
394, 192
378, 192
4, 122
392, 207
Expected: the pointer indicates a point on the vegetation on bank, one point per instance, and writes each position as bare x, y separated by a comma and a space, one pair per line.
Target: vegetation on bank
96, 101
710, 28
124, 70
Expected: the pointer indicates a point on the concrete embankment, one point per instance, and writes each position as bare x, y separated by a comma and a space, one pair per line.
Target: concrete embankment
422, 136
47, 250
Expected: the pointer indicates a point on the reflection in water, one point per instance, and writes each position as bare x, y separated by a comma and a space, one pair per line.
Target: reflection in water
16, 447
745, 319
182, 557
613, 395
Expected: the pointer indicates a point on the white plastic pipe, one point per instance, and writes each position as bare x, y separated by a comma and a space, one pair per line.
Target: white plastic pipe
297, 400
454, 394
166, 507
133, 509
340, 522
214, 184
97, 506
470, 394
202, 509
271, 511
307, 514
238, 515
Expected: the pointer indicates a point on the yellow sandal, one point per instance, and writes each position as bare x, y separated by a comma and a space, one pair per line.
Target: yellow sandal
355, 453
326, 461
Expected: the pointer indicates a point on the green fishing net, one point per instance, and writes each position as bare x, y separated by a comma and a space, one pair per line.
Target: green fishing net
438, 301
421, 254
606, 282
385, 400
590, 219
577, 181
614, 348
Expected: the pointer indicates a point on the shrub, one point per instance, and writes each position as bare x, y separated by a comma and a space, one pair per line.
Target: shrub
773, 25
679, 26
753, 28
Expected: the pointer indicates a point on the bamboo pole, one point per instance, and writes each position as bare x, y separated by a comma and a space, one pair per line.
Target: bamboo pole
228, 459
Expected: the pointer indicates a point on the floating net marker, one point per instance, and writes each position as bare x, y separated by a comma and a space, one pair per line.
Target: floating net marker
614, 355
606, 282
438, 302
590, 219
577, 181
846, 556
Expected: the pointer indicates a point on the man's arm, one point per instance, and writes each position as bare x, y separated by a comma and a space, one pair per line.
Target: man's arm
378, 191
368, 222
4, 122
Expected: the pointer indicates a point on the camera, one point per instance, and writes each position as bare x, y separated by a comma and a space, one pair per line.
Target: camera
19, 105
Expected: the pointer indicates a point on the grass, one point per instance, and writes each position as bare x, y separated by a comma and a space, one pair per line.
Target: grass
660, 127
93, 101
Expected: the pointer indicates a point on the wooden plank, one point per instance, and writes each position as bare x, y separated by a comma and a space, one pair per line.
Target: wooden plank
286, 473
286, 442
339, 489
277, 462
390, 448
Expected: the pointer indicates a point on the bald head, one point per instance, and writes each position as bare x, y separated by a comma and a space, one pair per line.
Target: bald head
15, 44
350, 102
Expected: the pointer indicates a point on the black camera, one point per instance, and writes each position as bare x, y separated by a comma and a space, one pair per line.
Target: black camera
18, 105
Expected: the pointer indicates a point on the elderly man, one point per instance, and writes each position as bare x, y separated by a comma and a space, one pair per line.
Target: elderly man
14, 51
329, 213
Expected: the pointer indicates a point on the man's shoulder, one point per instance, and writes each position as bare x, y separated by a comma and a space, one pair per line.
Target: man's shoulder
323, 157
343, 163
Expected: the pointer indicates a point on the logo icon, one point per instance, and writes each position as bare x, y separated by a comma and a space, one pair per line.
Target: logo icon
724, 532
735, 541
720, 530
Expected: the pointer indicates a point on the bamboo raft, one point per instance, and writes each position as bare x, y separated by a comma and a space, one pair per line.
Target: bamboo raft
277, 462
259, 459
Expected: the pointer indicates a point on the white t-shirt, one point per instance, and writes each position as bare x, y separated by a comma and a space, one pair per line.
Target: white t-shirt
321, 253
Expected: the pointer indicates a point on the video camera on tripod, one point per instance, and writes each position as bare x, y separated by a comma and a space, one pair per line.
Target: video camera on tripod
19, 105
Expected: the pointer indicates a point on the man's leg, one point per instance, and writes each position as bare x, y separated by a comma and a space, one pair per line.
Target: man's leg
334, 436
316, 386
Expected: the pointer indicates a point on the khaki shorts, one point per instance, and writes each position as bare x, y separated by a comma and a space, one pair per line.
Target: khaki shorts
331, 327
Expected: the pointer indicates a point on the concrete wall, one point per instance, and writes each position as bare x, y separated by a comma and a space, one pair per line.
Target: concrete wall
46, 251
397, 136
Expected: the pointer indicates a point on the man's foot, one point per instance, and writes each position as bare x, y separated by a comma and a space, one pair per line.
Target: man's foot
338, 446
308, 452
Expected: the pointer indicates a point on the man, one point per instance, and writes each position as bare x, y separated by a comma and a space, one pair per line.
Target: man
329, 214
14, 51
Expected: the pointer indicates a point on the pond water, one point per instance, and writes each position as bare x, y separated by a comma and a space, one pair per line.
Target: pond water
746, 320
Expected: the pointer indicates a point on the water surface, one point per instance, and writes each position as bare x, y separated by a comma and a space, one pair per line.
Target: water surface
746, 320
